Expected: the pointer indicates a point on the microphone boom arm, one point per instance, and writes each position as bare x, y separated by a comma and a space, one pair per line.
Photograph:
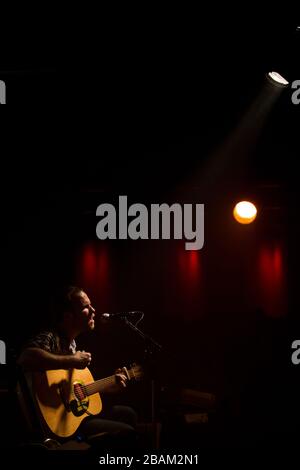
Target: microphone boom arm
145, 337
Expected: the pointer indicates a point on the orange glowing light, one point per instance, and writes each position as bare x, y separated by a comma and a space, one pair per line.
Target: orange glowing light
245, 212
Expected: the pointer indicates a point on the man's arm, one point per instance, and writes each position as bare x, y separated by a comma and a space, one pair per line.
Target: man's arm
37, 359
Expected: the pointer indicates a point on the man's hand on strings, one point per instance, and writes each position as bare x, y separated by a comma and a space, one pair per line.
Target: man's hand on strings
121, 378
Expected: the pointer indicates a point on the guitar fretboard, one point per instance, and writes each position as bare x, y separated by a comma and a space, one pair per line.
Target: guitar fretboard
99, 385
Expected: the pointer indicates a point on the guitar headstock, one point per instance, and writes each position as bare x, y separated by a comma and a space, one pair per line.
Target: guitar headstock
135, 372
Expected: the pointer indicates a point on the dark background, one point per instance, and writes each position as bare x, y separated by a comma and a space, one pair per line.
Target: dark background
154, 112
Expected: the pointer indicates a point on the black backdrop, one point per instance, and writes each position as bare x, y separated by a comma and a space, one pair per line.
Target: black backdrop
144, 116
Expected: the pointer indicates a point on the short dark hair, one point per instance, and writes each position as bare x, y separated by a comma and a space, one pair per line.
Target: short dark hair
63, 301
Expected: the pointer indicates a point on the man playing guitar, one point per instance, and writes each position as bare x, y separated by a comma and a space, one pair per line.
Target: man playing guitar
63, 389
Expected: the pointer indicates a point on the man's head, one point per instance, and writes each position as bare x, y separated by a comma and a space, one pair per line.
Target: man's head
74, 309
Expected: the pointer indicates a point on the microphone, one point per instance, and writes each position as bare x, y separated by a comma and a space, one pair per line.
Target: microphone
117, 315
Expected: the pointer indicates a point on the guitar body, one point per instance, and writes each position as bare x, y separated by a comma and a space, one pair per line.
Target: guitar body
61, 398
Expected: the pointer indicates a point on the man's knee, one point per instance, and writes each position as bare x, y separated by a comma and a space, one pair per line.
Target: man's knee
125, 414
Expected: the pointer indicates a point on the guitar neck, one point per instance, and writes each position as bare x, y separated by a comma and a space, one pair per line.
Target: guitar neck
99, 385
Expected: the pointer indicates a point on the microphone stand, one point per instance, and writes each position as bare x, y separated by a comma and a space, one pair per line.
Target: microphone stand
151, 346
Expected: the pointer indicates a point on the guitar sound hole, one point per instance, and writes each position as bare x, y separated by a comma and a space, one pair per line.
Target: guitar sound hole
79, 392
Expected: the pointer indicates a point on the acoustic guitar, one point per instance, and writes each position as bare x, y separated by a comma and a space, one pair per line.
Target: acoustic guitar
66, 397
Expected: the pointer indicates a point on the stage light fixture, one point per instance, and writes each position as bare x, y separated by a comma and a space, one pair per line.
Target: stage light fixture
278, 80
244, 212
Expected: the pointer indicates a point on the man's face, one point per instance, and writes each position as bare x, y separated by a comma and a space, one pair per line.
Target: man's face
84, 312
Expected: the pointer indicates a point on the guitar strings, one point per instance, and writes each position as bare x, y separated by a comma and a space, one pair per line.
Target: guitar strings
93, 387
